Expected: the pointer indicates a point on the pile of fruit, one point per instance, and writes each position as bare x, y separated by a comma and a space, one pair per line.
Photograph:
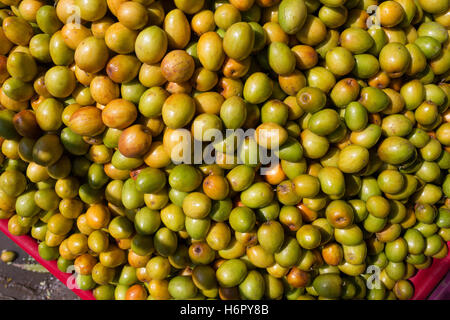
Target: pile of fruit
108, 108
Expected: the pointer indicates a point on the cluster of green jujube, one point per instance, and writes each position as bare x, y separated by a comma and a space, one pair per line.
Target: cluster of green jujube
353, 101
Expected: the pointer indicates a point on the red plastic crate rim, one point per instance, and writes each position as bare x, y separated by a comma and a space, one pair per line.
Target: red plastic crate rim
30, 245
424, 281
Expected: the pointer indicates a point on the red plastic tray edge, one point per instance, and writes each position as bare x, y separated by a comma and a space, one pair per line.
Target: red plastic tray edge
30, 245
424, 281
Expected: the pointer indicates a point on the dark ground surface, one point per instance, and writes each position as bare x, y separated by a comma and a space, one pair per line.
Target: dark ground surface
25, 279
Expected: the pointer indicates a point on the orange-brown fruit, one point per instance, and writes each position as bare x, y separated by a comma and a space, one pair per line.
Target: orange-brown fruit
275, 174
83, 264
97, 216
87, 121
177, 66
332, 254
136, 292
135, 141
216, 187
298, 278
119, 114
26, 124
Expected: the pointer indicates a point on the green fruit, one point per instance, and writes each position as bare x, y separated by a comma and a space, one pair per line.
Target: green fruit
340, 61
47, 19
132, 91
413, 92
314, 146
7, 129
355, 254
289, 253
356, 40
147, 221
132, 198
291, 151
165, 242
152, 100
240, 177
331, 41
151, 45
48, 114
415, 241
292, 15
242, 219
320, 77
281, 58
395, 150
252, 288
60, 81
374, 224
46, 199
238, 41
185, 178
396, 125
103, 292
178, 110
418, 60
394, 59
333, 17
182, 287
356, 117
434, 30
60, 53
275, 111
257, 88
47, 150
17, 89
120, 228
403, 290
366, 66
197, 228
380, 39
429, 46
121, 162
48, 253
233, 112
150, 180
434, 244
13, 183
311, 99
271, 236
221, 210
26, 206
331, 181
22, 66
309, 237
73, 142
269, 212
328, 285
443, 218
324, 122
258, 195
396, 250
231, 273
374, 99
196, 205
345, 92
433, 6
